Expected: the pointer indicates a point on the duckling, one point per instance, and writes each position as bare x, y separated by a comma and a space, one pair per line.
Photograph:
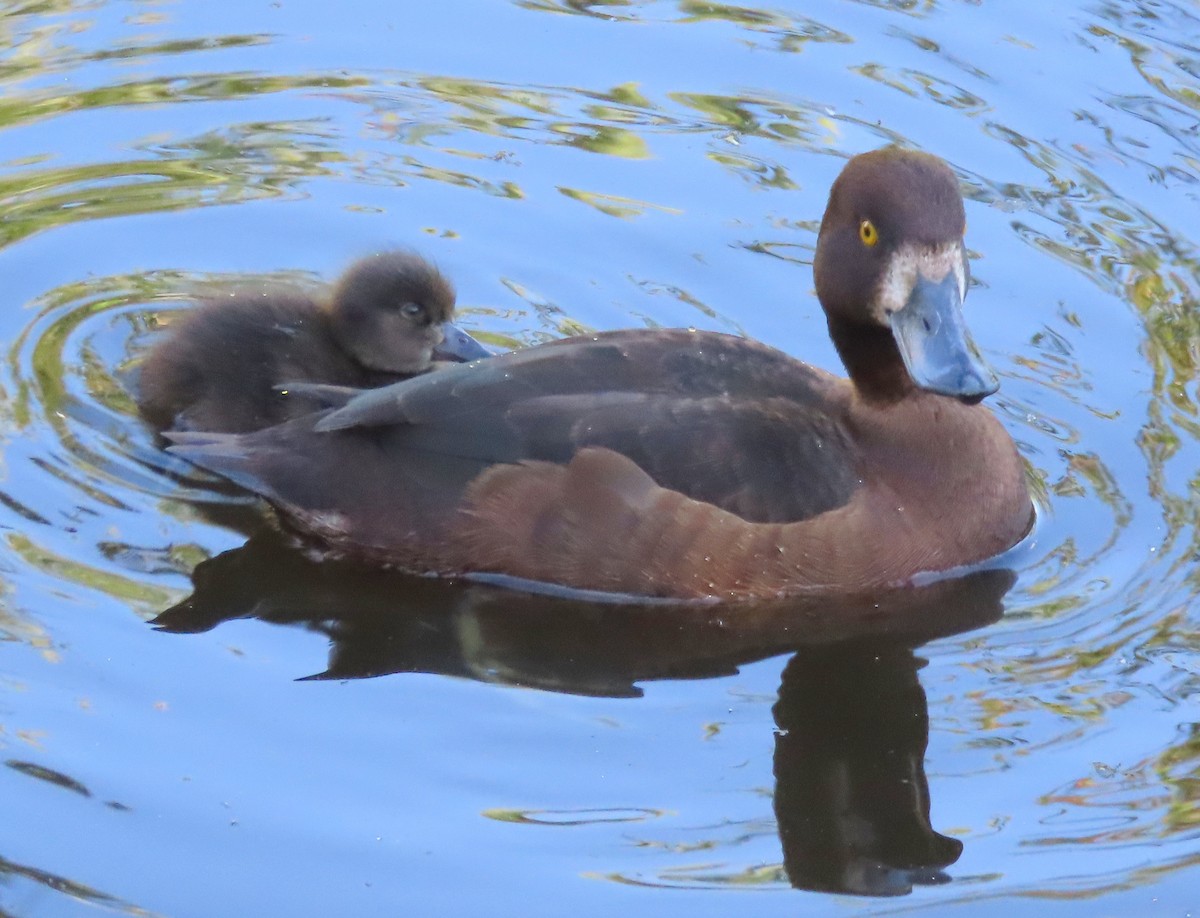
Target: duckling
681, 463
220, 366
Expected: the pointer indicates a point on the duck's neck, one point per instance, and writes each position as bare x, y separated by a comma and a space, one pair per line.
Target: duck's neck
872, 360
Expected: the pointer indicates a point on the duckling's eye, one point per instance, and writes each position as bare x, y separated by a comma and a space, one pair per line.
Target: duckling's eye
412, 310
868, 234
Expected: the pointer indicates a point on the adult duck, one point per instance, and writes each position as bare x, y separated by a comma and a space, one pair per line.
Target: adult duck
682, 463
216, 369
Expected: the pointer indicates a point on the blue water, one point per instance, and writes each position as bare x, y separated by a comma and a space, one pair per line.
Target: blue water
574, 166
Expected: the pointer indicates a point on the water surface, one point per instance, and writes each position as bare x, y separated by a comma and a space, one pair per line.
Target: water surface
1014, 741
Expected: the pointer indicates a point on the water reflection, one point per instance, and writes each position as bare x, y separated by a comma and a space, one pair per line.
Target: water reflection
851, 798
31, 885
243, 162
769, 28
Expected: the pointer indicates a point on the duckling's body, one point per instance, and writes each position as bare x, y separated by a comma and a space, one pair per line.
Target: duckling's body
688, 464
218, 367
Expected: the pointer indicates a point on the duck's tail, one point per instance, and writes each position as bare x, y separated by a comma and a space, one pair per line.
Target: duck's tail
226, 454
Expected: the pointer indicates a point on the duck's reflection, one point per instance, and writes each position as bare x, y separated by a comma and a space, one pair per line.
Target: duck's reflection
851, 799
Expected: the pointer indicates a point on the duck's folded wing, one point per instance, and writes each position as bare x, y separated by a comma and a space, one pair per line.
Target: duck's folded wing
723, 420
672, 362
719, 419
766, 460
323, 395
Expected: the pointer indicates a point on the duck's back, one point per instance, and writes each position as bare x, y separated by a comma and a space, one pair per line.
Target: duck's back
218, 366
726, 422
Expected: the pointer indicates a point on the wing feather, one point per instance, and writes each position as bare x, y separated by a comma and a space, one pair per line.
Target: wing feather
720, 419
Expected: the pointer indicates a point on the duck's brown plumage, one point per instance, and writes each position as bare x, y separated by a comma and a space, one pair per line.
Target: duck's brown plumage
217, 367
687, 464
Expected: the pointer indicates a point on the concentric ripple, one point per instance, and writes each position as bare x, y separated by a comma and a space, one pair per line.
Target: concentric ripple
588, 165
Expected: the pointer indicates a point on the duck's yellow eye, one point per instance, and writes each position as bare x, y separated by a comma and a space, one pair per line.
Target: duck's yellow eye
867, 233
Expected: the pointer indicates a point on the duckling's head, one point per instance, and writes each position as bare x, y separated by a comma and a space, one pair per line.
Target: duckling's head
891, 273
392, 312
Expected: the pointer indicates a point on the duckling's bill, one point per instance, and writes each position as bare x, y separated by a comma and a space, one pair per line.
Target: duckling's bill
458, 346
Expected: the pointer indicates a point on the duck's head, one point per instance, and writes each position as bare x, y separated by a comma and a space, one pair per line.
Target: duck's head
392, 312
891, 273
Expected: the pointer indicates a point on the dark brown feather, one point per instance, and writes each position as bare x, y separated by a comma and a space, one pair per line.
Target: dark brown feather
218, 366
720, 419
